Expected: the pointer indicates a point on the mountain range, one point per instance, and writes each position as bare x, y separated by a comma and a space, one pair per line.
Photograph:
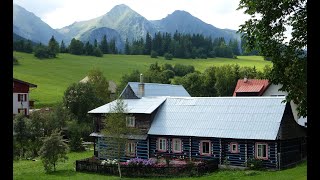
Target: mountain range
120, 23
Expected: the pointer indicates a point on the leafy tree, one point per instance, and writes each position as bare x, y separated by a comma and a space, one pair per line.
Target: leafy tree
117, 131
77, 132
52, 151
41, 52
265, 32
225, 80
80, 98
193, 82
166, 66
53, 47
100, 84
97, 52
181, 70
76, 47
168, 56
21, 126
154, 54
134, 76
209, 81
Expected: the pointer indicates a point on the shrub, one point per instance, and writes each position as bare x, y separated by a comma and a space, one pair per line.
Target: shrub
255, 164
168, 56
15, 61
154, 54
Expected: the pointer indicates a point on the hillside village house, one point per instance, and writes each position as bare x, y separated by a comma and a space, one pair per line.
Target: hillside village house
262, 87
21, 101
229, 129
112, 87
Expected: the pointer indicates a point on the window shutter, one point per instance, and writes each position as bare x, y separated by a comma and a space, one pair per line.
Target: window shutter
25, 97
19, 97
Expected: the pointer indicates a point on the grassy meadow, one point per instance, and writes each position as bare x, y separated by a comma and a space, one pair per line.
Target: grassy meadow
33, 170
53, 76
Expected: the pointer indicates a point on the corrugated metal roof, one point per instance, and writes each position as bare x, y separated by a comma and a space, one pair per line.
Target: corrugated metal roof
225, 117
155, 89
252, 88
145, 105
251, 82
138, 136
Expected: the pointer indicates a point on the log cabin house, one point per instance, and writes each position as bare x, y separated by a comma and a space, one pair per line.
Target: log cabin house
229, 129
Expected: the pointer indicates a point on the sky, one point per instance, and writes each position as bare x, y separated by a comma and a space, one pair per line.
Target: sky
60, 13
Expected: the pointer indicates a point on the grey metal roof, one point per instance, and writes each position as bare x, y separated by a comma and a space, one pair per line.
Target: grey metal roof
144, 105
155, 89
138, 136
224, 117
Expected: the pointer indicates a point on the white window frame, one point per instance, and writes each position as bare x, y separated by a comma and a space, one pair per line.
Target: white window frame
131, 149
232, 144
130, 121
176, 143
162, 144
259, 150
201, 148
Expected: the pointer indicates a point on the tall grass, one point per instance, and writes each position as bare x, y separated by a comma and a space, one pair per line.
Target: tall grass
33, 170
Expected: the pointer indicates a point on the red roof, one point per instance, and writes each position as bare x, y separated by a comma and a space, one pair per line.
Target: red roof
251, 85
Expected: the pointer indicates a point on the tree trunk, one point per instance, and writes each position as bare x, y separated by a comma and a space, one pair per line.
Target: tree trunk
119, 169
54, 166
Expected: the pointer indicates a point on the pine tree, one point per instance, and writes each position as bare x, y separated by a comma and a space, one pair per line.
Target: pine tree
53, 47
63, 48
104, 45
148, 44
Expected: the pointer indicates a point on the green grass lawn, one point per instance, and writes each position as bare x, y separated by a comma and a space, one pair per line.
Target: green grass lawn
26, 169
53, 76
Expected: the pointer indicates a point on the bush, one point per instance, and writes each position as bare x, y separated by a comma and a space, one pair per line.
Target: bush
168, 56
154, 54
254, 164
235, 57
42, 52
15, 61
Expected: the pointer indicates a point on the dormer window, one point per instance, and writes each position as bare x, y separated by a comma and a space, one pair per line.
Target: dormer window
130, 120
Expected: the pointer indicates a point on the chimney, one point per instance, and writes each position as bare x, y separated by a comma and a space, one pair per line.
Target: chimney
141, 86
245, 79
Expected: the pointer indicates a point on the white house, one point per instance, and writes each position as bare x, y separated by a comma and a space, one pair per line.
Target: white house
21, 101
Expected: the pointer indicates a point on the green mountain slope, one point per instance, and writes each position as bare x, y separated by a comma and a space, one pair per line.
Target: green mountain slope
53, 76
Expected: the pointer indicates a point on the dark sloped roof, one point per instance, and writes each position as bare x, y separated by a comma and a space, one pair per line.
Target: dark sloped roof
156, 89
24, 82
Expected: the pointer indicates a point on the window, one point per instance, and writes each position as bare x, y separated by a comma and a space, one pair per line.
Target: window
22, 97
262, 151
162, 144
176, 144
131, 149
22, 110
130, 121
205, 148
234, 147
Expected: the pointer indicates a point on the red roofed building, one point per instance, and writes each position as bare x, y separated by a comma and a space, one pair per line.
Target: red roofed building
251, 87
21, 102
262, 87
